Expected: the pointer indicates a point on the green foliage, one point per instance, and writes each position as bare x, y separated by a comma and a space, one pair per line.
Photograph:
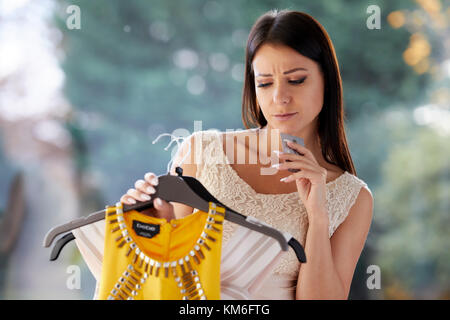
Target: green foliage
413, 212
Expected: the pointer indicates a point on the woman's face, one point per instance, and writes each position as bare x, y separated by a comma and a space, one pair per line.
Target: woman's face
289, 89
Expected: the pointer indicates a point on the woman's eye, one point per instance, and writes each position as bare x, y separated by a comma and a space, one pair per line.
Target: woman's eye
299, 81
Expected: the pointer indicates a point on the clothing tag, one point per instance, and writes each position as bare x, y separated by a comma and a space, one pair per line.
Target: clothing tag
145, 229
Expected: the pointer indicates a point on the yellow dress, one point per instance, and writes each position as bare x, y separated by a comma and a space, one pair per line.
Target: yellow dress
148, 258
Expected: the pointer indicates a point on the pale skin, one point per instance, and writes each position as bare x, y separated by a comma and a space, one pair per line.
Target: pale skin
288, 82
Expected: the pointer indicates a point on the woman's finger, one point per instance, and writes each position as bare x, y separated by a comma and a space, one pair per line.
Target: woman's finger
165, 209
144, 187
294, 157
307, 174
151, 178
299, 164
127, 199
301, 149
137, 195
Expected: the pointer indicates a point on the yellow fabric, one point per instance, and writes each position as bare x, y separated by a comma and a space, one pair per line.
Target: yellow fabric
175, 240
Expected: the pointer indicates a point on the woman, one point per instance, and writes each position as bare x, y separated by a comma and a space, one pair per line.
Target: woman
292, 84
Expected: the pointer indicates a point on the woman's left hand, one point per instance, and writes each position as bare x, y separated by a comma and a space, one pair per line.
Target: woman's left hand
310, 181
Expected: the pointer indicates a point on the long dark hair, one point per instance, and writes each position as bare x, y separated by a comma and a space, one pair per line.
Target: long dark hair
304, 34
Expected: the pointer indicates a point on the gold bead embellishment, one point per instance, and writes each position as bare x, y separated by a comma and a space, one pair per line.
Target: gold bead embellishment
182, 271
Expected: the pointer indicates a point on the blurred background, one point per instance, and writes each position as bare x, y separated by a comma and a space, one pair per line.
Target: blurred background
82, 100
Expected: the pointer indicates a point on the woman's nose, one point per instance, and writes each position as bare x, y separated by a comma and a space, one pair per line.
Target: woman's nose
281, 96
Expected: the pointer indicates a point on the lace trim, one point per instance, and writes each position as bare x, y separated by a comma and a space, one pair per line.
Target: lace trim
285, 212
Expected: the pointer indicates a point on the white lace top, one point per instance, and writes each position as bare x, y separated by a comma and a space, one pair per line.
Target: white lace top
284, 212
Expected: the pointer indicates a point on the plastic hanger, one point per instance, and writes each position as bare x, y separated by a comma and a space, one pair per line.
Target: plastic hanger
181, 189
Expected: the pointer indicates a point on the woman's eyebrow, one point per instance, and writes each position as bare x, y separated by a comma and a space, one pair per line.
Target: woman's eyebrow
286, 72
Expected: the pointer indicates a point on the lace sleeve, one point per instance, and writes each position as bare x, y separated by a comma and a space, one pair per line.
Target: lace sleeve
343, 200
206, 152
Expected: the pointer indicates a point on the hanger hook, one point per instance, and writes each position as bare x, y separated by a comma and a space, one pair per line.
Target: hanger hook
172, 139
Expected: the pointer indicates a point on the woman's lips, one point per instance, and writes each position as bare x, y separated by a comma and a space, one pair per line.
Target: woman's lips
285, 116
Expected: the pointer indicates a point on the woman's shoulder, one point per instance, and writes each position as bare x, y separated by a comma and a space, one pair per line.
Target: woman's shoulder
349, 194
346, 183
357, 180
355, 189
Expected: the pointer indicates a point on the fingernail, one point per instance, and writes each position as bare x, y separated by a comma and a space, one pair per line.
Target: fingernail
158, 202
131, 200
140, 183
276, 165
284, 179
155, 181
145, 196
277, 152
150, 190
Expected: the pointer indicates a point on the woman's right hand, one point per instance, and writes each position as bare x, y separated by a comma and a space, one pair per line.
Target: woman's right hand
144, 192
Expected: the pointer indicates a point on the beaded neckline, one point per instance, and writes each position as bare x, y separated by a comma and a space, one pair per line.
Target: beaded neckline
142, 266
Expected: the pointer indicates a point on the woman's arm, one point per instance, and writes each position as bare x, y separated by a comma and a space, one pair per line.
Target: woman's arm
331, 262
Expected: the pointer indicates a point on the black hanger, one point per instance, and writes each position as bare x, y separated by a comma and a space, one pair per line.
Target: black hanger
59, 245
181, 189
